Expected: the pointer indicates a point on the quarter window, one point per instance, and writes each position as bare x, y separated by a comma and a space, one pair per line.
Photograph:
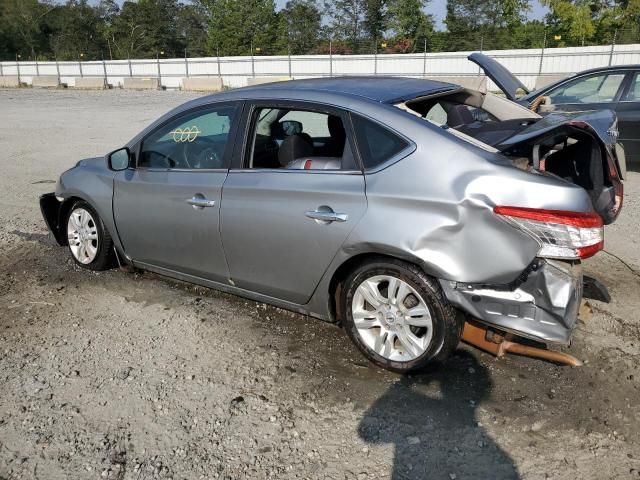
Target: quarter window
593, 89
376, 143
196, 140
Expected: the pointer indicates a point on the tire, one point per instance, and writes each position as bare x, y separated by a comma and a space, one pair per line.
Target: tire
414, 328
83, 224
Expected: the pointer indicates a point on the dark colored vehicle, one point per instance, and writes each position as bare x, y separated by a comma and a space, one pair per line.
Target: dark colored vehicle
614, 88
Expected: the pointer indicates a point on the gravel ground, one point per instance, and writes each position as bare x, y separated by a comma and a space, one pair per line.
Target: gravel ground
133, 376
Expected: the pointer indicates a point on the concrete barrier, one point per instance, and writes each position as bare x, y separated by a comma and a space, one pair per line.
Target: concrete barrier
544, 80
261, 80
137, 83
7, 81
90, 83
45, 81
202, 84
473, 82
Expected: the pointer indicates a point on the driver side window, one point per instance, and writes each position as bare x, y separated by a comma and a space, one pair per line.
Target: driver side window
195, 140
593, 89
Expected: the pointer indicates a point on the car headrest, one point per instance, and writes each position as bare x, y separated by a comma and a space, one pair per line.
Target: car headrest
293, 147
459, 115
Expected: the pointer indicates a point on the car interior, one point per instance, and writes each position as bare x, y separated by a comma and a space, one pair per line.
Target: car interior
196, 141
299, 140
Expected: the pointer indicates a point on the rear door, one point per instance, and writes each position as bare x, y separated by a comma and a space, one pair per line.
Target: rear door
287, 208
167, 208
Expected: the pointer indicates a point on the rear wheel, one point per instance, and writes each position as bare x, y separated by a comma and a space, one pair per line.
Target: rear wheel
398, 316
89, 242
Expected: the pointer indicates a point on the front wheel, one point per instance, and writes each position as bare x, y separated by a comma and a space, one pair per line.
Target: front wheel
398, 317
89, 242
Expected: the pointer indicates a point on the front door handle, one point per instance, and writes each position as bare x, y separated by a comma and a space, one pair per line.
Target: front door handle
326, 216
200, 202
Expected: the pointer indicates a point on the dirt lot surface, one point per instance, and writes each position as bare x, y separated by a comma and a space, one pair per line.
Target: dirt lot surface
133, 376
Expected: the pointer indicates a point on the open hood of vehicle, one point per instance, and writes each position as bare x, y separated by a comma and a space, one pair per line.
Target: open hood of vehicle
503, 78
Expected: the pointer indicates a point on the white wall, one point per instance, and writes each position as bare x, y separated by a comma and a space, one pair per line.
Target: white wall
526, 64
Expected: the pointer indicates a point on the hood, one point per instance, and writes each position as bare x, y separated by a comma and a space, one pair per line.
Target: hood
503, 78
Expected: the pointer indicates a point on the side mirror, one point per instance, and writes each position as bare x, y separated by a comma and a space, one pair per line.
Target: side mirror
291, 127
119, 159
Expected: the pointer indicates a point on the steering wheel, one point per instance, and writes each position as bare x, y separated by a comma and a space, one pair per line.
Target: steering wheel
202, 156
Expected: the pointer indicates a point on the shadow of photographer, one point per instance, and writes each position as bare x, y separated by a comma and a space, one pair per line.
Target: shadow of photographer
434, 430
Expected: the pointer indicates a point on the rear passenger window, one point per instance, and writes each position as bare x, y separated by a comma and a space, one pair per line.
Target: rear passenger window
376, 143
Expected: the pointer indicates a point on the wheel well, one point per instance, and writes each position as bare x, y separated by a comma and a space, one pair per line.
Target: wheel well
344, 270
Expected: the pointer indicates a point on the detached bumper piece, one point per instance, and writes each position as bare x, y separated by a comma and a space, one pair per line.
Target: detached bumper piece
543, 305
50, 208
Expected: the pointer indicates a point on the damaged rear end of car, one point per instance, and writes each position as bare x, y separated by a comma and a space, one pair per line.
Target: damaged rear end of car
580, 149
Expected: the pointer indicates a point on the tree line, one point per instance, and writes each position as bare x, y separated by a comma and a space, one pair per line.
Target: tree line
79, 30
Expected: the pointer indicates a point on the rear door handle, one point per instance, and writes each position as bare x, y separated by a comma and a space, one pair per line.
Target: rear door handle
199, 202
323, 216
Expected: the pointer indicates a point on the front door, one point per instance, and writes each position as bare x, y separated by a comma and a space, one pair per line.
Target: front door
292, 202
629, 122
167, 209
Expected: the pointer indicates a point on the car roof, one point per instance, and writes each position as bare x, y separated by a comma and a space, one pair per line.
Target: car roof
378, 89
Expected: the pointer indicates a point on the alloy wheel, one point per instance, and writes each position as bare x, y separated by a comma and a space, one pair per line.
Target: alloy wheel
391, 318
82, 234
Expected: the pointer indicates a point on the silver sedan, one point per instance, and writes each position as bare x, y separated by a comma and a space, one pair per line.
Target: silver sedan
399, 207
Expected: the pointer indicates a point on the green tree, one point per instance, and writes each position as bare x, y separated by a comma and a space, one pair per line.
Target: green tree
472, 22
146, 28
375, 18
76, 31
345, 20
299, 27
236, 26
24, 23
408, 21
192, 28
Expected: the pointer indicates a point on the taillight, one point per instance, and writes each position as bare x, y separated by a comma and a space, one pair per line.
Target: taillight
561, 234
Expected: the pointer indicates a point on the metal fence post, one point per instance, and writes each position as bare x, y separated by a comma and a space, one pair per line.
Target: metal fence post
38, 69
613, 46
330, 59
253, 68
18, 68
289, 59
130, 71
104, 70
58, 69
80, 65
158, 64
424, 59
544, 44
218, 62
1, 70
186, 63
375, 58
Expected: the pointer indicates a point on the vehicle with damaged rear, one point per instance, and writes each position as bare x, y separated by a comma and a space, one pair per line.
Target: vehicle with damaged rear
363, 201
613, 87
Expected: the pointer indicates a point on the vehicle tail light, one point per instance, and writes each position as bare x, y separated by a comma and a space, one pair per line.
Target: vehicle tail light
561, 234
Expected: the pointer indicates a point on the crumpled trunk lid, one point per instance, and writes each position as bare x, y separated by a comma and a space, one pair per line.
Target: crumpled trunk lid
599, 169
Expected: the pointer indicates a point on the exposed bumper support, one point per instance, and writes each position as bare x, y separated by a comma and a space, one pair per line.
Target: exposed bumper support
50, 208
543, 307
